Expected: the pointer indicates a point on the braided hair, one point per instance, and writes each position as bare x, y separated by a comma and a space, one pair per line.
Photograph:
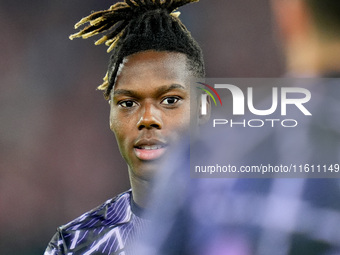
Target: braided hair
133, 26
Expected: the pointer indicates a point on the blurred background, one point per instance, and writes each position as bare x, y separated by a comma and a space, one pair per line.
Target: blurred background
58, 157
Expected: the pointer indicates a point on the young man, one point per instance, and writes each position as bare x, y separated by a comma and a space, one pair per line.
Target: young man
148, 88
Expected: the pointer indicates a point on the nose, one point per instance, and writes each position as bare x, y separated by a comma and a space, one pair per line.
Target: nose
150, 117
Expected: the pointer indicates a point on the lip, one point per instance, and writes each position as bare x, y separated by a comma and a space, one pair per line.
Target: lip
149, 149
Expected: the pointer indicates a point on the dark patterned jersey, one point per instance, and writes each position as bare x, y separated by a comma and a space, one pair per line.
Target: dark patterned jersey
107, 229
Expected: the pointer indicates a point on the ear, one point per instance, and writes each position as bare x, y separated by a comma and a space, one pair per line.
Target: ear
110, 113
204, 109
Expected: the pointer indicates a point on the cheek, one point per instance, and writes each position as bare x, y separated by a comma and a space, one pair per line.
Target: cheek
181, 119
117, 127
117, 124
123, 127
113, 121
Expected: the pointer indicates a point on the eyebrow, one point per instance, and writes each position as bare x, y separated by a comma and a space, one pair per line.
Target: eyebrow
165, 89
161, 90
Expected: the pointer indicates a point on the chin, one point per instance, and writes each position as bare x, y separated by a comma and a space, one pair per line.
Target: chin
148, 171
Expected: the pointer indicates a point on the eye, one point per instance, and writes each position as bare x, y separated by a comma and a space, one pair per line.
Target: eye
170, 100
127, 104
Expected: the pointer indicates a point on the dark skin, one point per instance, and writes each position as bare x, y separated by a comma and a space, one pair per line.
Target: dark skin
150, 108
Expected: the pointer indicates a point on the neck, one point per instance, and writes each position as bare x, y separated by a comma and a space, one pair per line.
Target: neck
140, 189
313, 56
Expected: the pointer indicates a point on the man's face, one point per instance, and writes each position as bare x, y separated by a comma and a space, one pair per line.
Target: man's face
150, 108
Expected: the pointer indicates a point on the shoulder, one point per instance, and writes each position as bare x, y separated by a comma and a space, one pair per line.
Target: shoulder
114, 211
92, 225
